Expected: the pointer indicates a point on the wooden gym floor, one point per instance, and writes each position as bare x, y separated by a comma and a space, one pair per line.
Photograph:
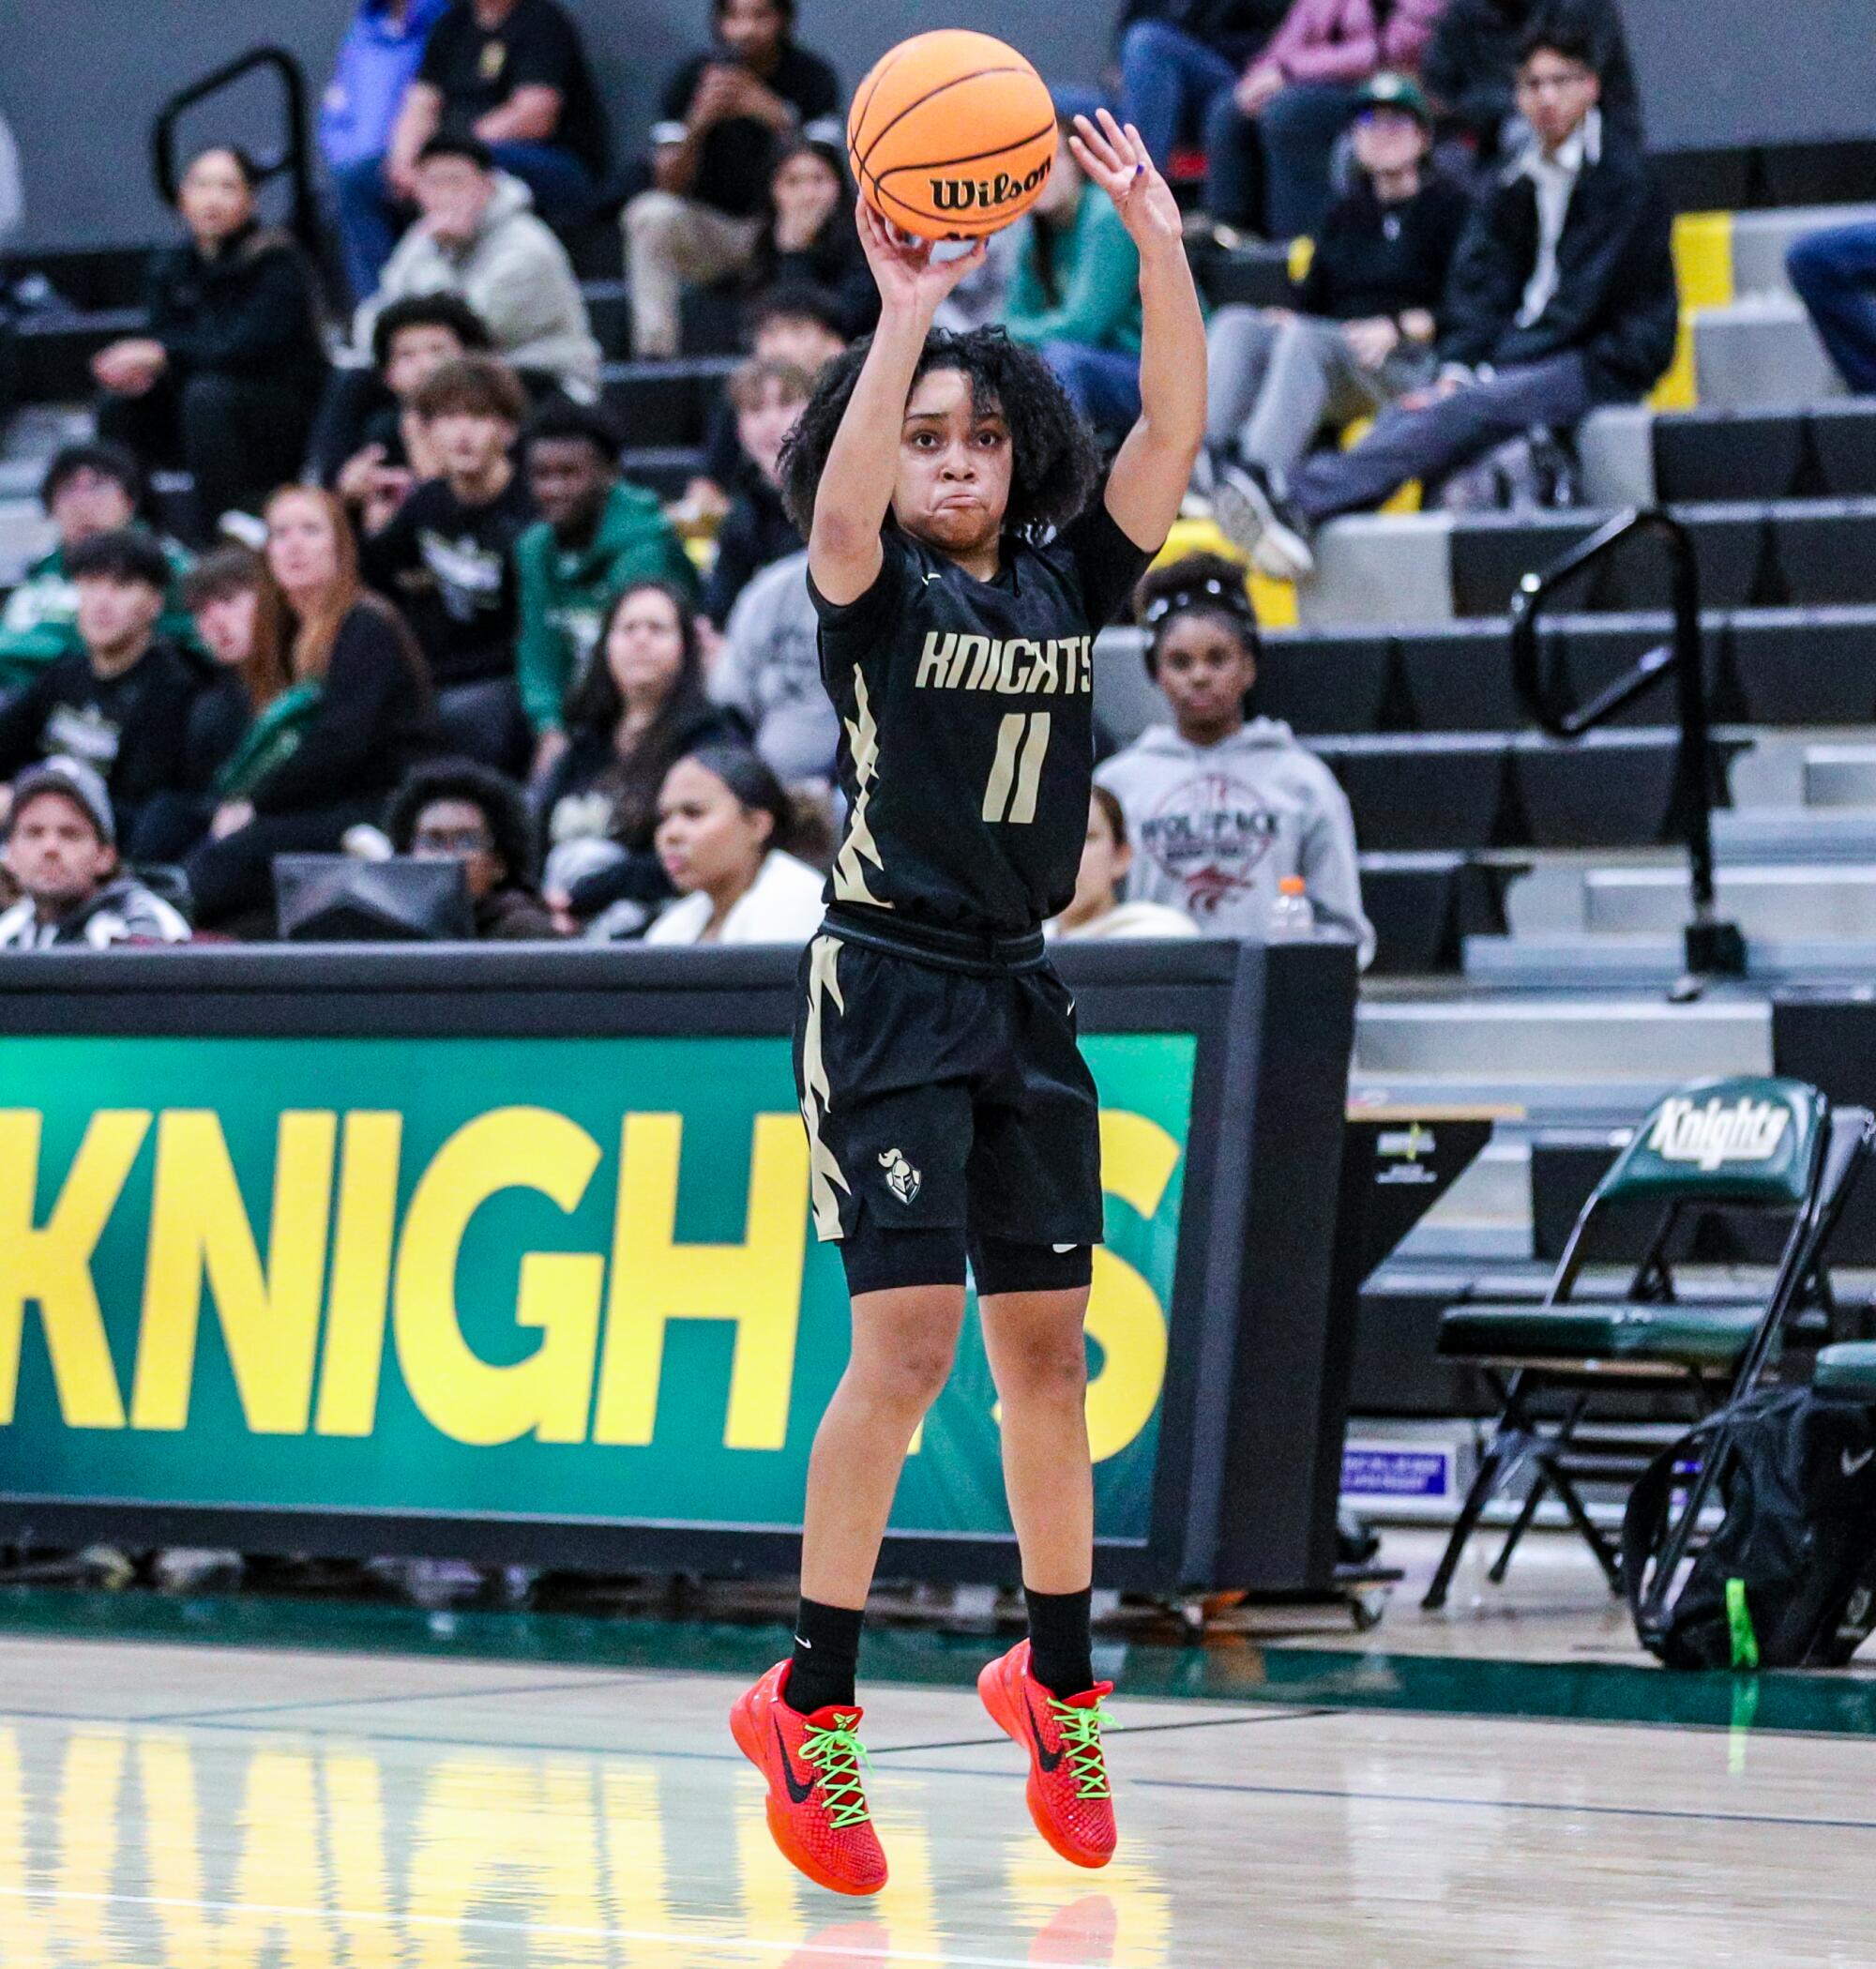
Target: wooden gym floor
250, 1785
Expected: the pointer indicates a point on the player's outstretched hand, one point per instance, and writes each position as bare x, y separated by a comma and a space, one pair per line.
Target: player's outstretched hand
1120, 164
908, 278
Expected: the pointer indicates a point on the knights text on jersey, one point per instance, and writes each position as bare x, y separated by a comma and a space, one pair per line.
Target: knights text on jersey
967, 725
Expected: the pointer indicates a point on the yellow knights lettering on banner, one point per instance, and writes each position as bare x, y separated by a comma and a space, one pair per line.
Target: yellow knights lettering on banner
305, 1326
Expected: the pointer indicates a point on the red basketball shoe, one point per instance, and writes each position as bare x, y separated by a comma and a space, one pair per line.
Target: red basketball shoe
1068, 1791
817, 1808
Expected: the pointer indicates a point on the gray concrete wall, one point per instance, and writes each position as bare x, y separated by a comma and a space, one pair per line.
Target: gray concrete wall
82, 79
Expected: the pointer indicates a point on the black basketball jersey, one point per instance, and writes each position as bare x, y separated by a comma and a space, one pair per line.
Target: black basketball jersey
967, 725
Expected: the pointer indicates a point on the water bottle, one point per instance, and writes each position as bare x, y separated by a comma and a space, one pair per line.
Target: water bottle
1291, 916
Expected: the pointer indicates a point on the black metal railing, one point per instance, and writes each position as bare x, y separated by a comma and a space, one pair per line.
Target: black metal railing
1714, 947
293, 157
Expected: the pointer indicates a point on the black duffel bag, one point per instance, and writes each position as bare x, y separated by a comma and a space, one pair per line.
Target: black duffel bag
1788, 1579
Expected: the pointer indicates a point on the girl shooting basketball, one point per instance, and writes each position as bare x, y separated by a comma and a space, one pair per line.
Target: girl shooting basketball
962, 560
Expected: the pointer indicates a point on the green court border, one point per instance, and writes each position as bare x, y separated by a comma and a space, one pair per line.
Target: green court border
1227, 1671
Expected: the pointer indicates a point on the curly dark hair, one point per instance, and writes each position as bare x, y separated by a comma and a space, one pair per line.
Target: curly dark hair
1055, 461
501, 803
1194, 585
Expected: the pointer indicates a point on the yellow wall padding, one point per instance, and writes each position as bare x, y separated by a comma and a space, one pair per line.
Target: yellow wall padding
1703, 267
1274, 600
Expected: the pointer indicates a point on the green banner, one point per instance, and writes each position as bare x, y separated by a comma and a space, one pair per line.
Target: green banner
559, 1277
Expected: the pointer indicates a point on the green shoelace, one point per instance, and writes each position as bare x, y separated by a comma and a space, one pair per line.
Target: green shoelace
1082, 1741
838, 1755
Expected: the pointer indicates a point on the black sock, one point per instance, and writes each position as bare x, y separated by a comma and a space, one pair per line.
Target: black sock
826, 1654
1061, 1649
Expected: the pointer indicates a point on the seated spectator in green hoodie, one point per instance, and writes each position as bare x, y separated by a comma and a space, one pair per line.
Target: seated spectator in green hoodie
88, 490
1074, 291
596, 536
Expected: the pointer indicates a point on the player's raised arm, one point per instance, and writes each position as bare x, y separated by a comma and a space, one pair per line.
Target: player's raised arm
856, 489
1155, 465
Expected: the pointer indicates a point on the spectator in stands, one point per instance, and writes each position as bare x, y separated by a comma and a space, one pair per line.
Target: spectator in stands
1293, 103
1367, 318
377, 62
325, 748
121, 701
725, 825
1471, 70
61, 853
509, 75
1834, 272
1095, 910
596, 535
446, 558
1219, 809
1180, 61
370, 447
88, 490
790, 324
234, 605
725, 115
226, 381
769, 670
769, 399
633, 716
1074, 291
458, 811
1561, 296
808, 240
479, 240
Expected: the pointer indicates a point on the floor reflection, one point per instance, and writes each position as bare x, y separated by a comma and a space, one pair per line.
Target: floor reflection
134, 1846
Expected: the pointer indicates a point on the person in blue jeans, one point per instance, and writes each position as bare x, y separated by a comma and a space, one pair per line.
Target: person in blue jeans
1834, 272
1179, 61
1074, 288
513, 75
377, 62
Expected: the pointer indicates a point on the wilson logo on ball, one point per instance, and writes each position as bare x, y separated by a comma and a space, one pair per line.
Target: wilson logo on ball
964, 194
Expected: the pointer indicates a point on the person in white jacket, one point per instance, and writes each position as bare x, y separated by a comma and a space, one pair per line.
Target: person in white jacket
724, 822
1096, 912
478, 239
1220, 806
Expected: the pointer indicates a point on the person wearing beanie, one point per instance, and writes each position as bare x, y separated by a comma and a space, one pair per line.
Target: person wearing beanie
62, 853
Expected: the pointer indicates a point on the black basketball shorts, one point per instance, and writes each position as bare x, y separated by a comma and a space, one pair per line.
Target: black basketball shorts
950, 1115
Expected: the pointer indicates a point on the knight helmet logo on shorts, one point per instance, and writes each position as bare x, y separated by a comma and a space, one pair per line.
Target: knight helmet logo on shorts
900, 1177
1747, 1131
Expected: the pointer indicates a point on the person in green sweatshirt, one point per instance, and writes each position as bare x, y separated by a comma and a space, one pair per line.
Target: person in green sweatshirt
596, 535
1074, 294
88, 490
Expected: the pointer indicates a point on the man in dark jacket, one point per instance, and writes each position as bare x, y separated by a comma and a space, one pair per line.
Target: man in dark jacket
459, 811
121, 706
1471, 68
1180, 57
1562, 298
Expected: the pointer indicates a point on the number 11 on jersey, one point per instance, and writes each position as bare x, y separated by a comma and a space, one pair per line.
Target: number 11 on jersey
1016, 772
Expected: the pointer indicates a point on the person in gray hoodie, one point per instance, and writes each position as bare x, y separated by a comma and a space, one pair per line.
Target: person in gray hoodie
1219, 807
769, 669
479, 239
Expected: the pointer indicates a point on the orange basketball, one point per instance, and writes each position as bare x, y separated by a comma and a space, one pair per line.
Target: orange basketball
952, 135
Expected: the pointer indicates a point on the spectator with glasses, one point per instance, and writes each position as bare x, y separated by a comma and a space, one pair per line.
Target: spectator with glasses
1562, 298
459, 811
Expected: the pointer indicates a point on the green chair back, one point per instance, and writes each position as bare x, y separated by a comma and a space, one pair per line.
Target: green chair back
1750, 1139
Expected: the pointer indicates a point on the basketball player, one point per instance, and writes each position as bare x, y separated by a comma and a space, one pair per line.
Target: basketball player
962, 557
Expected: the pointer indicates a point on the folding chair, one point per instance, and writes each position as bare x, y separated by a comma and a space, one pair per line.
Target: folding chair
1770, 1148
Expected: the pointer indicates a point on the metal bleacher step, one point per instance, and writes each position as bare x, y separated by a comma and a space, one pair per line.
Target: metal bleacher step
1762, 352
1474, 1039
1796, 834
1775, 900
1656, 961
1760, 240
1840, 776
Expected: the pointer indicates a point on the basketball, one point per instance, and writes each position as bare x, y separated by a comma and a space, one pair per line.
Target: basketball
952, 135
